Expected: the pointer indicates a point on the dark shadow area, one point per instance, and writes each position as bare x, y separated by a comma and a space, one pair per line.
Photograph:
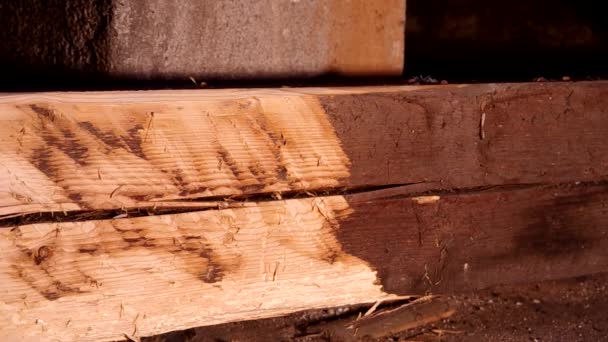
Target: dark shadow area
518, 40
24, 78
63, 45
53, 45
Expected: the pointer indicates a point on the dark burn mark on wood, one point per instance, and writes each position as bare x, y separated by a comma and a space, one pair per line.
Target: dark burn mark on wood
76, 197
227, 160
38, 271
282, 173
252, 189
35, 267
69, 145
189, 248
331, 256
214, 271
207, 269
43, 112
50, 139
134, 242
109, 138
276, 141
139, 198
134, 141
50, 294
179, 182
186, 188
41, 159
197, 190
72, 147
255, 172
56, 291
273, 142
135, 238
88, 249
58, 134
59, 290
281, 170
213, 274
259, 175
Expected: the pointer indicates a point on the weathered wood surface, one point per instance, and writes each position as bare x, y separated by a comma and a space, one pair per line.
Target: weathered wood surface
75, 151
297, 199
96, 280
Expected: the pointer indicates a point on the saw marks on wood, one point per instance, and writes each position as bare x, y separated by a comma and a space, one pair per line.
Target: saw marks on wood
177, 271
63, 152
92, 156
472, 186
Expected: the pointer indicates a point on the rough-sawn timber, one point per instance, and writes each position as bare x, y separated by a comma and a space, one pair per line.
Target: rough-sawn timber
116, 150
289, 199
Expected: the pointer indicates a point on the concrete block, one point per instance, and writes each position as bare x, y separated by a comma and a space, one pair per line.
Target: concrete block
266, 39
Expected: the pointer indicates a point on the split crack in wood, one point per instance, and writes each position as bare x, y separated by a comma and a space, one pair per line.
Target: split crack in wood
422, 193
206, 203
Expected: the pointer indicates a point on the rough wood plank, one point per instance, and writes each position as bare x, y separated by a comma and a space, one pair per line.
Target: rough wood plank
96, 280
162, 273
74, 151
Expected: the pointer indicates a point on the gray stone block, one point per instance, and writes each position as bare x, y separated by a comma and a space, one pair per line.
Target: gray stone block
145, 39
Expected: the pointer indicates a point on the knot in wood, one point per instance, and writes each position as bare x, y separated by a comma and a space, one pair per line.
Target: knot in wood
43, 253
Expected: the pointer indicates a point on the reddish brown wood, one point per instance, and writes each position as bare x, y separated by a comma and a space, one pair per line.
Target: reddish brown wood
304, 198
463, 241
533, 133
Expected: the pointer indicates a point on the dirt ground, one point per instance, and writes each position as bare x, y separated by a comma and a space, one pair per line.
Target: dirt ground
565, 310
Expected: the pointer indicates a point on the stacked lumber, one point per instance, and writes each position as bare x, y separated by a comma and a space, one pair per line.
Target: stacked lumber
126, 214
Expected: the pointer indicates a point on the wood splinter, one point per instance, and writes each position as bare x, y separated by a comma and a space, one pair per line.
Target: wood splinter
411, 315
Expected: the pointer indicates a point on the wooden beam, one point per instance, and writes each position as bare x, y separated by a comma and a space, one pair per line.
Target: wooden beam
98, 280
81, 151
289, 199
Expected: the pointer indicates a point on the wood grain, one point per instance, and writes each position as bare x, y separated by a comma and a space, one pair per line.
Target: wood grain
96, 280
154, 274
452, 242
81, 151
